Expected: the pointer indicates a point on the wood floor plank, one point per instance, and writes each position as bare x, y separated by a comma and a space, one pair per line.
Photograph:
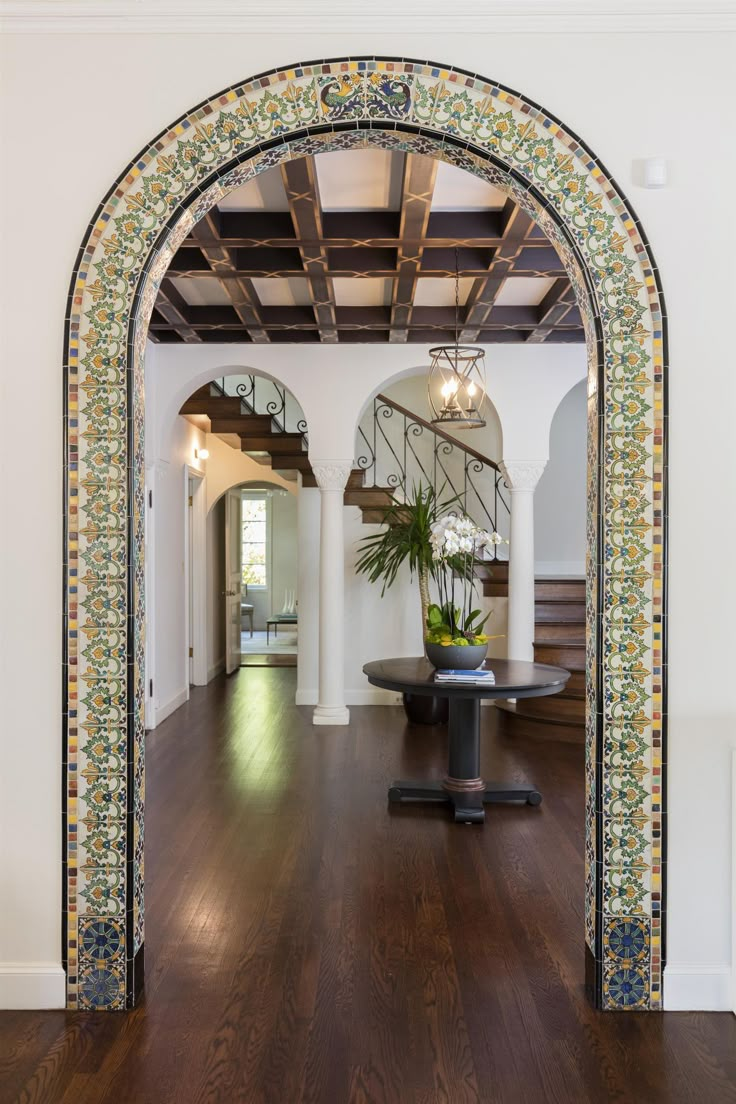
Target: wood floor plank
308, 944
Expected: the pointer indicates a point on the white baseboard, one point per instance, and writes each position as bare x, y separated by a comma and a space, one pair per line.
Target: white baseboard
353, 697
697, 988
575, 568
216, 669
361, 697
32, 985
163, 711
372, 697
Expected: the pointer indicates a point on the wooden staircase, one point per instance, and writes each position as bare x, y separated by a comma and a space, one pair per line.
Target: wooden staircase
263, 438
559, 639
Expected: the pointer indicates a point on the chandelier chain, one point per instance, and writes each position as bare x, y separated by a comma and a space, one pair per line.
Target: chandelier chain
457, 297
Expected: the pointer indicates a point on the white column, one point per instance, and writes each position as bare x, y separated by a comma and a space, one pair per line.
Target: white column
331, 476
307, 666
522, 477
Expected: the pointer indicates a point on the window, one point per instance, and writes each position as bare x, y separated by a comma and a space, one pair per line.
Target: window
255, 526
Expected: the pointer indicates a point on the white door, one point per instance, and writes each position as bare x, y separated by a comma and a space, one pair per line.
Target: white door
233, 578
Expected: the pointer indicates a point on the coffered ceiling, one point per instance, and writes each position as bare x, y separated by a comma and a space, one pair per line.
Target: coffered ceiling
360, 246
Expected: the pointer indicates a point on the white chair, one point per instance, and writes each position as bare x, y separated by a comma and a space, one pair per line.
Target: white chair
289, 607
246, 610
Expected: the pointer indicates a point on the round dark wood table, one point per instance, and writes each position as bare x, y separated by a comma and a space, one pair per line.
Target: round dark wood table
463, 788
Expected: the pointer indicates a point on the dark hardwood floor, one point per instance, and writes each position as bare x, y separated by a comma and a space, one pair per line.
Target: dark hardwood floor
306, 944
273, 659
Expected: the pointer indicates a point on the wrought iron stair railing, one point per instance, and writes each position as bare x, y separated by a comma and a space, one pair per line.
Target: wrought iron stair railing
398, 449
264, 396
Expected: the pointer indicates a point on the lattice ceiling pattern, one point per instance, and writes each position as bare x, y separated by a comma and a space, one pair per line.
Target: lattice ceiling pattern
359, 246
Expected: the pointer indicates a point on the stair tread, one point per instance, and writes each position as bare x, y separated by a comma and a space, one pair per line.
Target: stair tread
520, 710
554, 729
559, 621
555, 706
561, 600
560, 579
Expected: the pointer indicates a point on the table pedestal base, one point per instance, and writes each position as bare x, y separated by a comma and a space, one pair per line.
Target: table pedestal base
463, 788
467, 804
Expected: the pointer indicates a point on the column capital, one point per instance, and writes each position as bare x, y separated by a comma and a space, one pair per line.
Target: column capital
331, 475
522, 475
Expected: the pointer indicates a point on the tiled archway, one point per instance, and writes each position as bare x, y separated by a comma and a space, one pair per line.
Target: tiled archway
495, 133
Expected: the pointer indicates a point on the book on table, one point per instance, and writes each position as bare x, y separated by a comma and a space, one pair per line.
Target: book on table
476, 678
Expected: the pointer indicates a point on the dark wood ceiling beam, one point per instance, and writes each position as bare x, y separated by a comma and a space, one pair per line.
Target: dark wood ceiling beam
172, 306
300, 182
556, 305
375, 242
378, 272
421, 335
517, 225
239, 289
212, 317
420, 174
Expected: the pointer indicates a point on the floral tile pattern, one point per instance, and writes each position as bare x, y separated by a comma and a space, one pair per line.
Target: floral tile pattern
496, 134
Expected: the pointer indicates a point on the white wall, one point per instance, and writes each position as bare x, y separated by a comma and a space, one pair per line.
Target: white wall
672, 95
171, 441
480, 502
559, 500
374, 626
488, 439
215, 588
527, 383
283, 551
166, 618
351, 375
392, 625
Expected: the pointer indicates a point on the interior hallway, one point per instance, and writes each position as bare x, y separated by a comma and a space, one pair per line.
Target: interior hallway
304, 943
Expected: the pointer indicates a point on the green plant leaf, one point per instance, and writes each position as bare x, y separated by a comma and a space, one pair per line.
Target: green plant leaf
434, 615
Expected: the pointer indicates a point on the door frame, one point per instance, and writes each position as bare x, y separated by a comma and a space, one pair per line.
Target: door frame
236, 491
195, 578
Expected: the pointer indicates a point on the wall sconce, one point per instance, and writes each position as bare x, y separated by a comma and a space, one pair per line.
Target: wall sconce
201, 454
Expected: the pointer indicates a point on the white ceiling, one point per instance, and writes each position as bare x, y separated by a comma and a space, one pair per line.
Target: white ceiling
435, 291
201, 291
275, 292
323, 18
367, 291
458, 190
368, 180
523, 291
264, 192
360, 180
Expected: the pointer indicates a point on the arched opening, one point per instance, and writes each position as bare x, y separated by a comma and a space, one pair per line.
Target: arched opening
219, 432
269, 570
551, 175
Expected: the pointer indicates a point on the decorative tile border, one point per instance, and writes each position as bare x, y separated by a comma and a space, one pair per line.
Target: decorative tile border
495, 133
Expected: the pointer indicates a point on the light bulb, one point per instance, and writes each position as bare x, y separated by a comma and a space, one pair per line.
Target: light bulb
471, 389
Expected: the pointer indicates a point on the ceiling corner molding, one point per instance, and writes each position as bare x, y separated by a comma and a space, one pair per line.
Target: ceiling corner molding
78, 17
